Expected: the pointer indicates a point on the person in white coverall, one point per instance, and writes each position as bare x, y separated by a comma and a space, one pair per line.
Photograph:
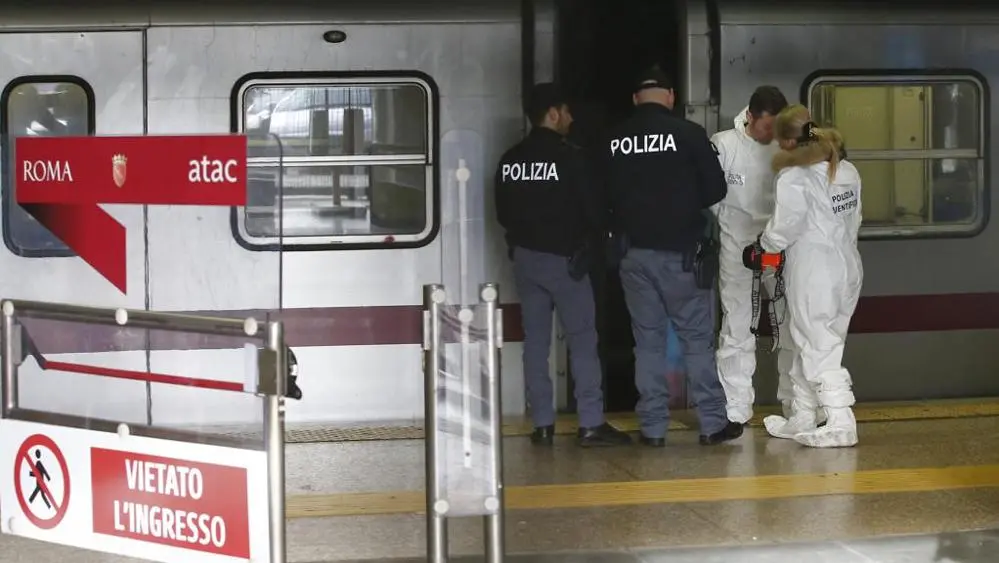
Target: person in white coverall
817, 216
746, 153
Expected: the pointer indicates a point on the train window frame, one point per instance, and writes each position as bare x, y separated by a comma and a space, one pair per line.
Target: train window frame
6, 146
923, 77
430, 159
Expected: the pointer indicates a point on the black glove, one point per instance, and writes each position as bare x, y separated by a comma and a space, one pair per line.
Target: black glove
752, 256
757, 259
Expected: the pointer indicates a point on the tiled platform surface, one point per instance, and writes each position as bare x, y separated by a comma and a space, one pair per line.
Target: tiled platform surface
979, 546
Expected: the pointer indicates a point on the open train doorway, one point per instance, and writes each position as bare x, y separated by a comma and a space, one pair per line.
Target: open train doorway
601, 48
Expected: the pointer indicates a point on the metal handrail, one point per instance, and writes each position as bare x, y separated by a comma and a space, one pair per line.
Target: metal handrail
153, 320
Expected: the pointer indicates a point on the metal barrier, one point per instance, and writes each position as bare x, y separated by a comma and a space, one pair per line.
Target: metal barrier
464, 453
81, 446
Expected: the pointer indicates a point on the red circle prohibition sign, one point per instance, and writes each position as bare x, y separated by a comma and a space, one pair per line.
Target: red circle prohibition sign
23, 461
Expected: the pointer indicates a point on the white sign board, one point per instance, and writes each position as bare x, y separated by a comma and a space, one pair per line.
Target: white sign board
148, 498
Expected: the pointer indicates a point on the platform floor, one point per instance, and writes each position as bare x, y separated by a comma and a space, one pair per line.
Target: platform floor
361, 500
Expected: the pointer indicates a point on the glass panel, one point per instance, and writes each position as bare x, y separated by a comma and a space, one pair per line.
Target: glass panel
40, 109
339, 120
920, 116
466, 442
339, 200
920, 192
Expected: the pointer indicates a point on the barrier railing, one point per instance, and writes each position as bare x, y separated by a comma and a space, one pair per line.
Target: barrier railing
155, 493
463, 412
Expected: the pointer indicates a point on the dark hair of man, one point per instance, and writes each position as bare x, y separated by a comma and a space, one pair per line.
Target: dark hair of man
767, 99
537, 114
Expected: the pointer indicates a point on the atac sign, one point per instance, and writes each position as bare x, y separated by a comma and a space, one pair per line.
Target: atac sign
61, 181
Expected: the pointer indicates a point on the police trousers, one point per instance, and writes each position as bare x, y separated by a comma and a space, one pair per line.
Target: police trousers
544, 284
657, 290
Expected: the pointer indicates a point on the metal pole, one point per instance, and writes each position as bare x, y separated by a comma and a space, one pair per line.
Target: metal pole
11, 338
494, 526
274, 439
433, 296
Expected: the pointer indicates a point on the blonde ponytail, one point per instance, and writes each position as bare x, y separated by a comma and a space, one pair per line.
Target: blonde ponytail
831, 142
821, 144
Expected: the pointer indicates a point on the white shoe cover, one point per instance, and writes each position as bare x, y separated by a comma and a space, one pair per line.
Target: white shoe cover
788, 409
774, 424
828, 437
840, 431
787, 429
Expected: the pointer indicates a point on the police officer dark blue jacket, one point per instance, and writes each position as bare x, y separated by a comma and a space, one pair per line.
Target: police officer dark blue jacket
545, 198
661, 174
664, 171
549, 209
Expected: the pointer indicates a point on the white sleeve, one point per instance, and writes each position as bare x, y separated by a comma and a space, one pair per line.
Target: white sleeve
789, 220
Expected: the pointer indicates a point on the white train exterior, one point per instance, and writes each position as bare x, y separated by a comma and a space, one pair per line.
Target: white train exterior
377, 104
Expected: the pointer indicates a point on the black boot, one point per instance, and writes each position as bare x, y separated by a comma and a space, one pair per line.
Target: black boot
543, 435
651, 442
731, 431
602, 436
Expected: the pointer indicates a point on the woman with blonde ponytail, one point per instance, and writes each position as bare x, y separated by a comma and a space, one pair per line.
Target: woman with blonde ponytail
817, 215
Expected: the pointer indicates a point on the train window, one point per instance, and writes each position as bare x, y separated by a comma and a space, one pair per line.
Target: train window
38, 106
342, 162
919, 143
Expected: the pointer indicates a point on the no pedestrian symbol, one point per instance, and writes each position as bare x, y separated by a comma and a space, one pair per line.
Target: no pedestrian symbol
41, 481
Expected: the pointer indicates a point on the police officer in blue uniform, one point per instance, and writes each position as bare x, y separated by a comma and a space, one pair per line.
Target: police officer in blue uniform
549, 209
662, 174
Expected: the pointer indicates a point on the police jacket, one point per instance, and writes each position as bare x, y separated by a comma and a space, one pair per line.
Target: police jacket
661, 171
544, 197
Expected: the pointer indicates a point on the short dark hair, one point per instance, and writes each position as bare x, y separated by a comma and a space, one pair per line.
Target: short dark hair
543, 97
767, 99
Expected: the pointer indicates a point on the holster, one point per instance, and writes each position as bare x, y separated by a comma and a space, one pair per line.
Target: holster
706, 263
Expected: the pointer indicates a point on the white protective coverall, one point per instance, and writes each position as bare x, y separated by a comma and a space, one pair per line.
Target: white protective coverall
816, 222
742, 215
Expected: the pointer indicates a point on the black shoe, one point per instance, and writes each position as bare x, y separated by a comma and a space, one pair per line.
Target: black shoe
602, 436
651, 442
543, 435
731, 431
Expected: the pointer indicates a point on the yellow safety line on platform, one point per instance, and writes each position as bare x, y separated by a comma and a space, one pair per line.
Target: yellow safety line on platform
868, 412
590, 495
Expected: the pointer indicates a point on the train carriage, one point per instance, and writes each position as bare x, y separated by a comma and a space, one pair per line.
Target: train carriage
377, 105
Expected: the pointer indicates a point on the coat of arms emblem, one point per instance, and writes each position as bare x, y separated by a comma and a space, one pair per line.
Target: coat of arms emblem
119, 168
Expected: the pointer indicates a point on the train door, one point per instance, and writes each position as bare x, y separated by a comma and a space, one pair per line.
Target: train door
61, 84
600, 51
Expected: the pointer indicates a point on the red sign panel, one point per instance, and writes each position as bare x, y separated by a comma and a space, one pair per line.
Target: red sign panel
175, 502
61, 180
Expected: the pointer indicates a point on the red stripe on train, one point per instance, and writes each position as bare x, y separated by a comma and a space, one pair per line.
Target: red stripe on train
367, 326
